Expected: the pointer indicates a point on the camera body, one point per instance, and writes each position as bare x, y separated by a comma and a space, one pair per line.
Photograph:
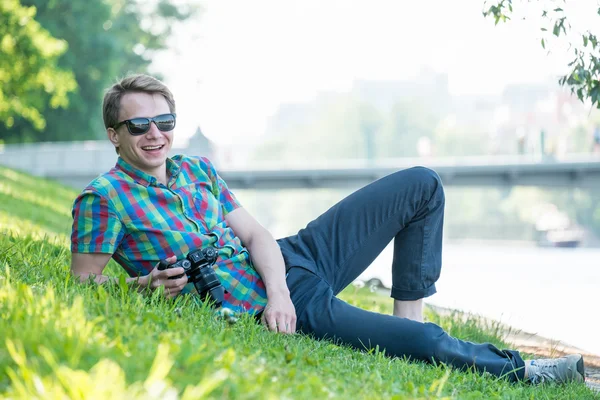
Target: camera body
198, 268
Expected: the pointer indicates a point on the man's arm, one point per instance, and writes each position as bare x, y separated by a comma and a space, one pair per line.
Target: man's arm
280, 314
85, 265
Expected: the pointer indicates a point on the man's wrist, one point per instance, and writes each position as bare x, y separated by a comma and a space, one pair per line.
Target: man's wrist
278, 291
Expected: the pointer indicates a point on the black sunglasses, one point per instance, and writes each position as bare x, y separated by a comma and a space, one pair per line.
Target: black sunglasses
139, 126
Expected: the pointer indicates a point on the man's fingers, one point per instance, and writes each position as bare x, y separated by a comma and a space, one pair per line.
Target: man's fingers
282, 325
172, 283
271, 323
168, 260
278, 321
176, 286
181, 282
290, 325
170, 272
155, 283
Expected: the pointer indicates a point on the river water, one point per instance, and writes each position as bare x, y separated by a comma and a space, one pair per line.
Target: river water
554, 292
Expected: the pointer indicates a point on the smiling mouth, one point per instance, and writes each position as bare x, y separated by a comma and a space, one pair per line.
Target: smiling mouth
152, 148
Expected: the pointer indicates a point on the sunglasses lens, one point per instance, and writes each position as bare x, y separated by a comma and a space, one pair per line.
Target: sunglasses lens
165, 122
138, 126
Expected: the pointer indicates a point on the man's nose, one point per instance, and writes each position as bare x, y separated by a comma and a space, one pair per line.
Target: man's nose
153, 130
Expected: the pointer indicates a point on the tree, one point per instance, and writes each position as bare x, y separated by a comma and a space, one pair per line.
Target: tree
107, 39
28, 67
583, 77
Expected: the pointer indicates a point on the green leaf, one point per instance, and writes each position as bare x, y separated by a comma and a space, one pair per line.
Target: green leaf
585, 41
595, 92
556, 30
543, 44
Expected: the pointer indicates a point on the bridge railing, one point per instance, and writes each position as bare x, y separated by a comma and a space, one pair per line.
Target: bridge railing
51, 159
79, 162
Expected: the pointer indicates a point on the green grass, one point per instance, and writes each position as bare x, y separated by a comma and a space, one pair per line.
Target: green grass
60, 339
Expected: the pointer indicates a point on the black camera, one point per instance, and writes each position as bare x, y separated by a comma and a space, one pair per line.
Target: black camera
198, 268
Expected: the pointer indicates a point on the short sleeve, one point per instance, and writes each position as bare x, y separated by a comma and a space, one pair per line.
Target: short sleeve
96, 227
220, 190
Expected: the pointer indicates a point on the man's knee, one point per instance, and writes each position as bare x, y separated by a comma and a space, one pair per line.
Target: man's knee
425, 178
427, 175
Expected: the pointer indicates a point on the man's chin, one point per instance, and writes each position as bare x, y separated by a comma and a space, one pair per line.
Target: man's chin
155, 159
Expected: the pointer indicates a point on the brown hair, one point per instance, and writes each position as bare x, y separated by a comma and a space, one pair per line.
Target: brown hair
133, 83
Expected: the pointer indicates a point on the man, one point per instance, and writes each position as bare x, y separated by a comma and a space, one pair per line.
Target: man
150, 207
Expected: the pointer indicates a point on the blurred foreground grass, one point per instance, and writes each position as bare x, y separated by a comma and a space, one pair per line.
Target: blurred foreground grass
60, 339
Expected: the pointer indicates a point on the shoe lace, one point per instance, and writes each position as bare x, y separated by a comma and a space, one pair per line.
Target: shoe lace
546, 369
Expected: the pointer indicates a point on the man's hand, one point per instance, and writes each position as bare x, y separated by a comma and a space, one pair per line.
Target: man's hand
280, 314
158, 278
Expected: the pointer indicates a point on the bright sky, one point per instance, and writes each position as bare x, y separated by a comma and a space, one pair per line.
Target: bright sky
232, 68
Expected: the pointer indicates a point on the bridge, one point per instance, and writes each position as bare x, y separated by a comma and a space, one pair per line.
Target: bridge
77, 163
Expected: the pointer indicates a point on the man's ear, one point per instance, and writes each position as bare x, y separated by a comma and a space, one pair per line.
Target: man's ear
113, 136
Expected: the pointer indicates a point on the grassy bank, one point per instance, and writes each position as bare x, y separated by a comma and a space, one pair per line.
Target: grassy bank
60, 339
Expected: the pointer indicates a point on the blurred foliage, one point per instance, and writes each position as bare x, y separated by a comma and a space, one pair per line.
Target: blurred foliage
106, 40
28, 67
344, 126
584, 75
320, 132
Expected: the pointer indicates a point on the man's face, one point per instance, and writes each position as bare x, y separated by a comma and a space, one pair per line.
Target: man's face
147, 152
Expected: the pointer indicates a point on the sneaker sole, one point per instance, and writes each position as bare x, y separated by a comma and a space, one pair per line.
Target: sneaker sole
581, 368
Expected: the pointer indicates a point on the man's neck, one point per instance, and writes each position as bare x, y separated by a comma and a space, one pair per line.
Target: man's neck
161, 175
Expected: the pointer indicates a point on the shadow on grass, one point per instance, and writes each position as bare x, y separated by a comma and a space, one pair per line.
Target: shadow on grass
22, 181
44, 217
37, 262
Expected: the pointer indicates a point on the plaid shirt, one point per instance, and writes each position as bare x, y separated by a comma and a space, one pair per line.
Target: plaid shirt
129, 214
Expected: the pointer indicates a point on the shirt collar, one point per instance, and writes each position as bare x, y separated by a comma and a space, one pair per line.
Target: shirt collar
146, 179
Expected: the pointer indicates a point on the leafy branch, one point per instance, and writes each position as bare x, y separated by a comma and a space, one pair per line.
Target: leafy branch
583, 77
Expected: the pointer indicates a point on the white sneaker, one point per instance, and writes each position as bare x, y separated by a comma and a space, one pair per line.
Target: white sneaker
560, 370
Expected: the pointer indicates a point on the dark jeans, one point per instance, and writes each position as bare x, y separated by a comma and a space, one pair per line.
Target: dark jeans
333, 250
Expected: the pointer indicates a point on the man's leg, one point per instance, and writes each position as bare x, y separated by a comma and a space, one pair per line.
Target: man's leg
335, 248
324, 316
408, 207
411, 309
